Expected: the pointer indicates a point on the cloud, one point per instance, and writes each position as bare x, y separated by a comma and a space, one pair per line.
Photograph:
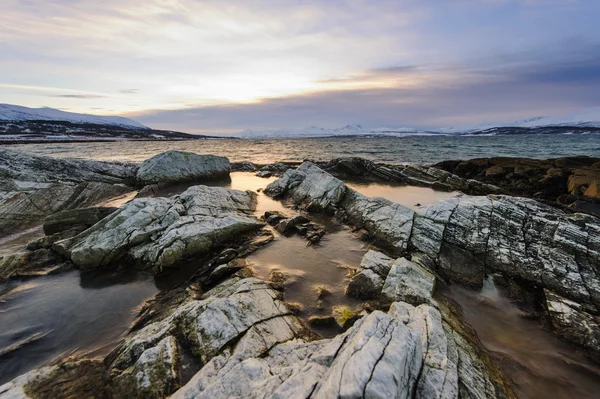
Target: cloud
128, 91
78, 96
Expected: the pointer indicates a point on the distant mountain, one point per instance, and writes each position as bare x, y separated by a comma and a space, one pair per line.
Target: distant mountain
21, 124
586, 121
16, 113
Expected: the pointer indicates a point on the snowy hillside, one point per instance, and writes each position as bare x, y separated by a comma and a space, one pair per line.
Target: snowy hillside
311, 131
18, 113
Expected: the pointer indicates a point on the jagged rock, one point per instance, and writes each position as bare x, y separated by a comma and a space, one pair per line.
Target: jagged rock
243, 167
155, 374
227, 269
31, 263
159, 232
408, 352
316, 190
237, 319
321, 321
368, 281
408, 282
286, 225
573, 323
79, 219
72, 379
179, 166
27, 206
264, 174
24, 168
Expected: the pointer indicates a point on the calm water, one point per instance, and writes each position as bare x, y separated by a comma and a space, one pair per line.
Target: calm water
421, 149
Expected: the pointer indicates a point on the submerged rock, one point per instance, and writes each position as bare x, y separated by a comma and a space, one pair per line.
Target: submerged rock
179, 166
159, 232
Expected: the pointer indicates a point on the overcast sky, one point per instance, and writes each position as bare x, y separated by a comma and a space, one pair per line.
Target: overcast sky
224, 66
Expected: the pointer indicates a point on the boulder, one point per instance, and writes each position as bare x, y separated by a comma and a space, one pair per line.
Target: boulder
593, 190
286, 225
180, 166
159, 232
75, 219
367, 282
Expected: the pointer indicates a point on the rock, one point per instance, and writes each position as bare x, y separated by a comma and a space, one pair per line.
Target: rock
237, 319
573, 323
227, 269
286, 225
310, 187
494, 171
344, 316
25, 208
72, 379
408, 352
31, 263
264, 174
593, 190
179, 166
159, 232
273, 218
321, 321
322, 291
78, 219
155, 374
243, 167
276, 169
25, 169
408, 282
367, 283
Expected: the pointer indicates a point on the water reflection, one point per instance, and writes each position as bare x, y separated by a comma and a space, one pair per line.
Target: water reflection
536, 361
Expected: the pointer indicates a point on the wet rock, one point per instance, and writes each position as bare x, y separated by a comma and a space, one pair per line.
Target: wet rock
264, 174
151, 190
573, 323
159, 232
322, 291
155, 374
179, 166
32, 263
286, 225
344, 316
321, 321
227, 269
368, 281
75, 219
275, 169
72, 379
273, 217
238, 318
243, 167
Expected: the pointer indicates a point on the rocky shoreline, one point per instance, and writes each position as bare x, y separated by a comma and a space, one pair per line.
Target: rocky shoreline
226, 333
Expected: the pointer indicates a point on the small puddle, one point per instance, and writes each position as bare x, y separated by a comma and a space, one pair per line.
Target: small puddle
537, 362
410, 196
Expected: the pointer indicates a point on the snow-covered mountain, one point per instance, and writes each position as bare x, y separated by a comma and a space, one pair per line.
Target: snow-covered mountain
16, 113
311, 131
589, 118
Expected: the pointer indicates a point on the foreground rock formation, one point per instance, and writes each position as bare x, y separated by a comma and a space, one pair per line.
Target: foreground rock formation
159, 232
464, 239
32, 187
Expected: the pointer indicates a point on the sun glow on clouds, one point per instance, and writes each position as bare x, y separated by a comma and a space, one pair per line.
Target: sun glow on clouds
140, 56
175, 53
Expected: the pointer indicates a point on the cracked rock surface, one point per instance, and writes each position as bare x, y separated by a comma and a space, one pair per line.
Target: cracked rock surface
464, 239
32, 187
159, 232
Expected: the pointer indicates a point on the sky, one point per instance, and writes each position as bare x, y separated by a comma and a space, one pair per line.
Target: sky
225, 66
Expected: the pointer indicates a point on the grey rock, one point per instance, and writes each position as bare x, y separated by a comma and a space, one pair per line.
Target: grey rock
264, 174
286, 225
573, 323
159, 232
79, 219
368, 281
179, 166
408, 282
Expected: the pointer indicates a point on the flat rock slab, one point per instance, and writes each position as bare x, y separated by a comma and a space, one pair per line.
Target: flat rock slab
159, 232
179, 166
